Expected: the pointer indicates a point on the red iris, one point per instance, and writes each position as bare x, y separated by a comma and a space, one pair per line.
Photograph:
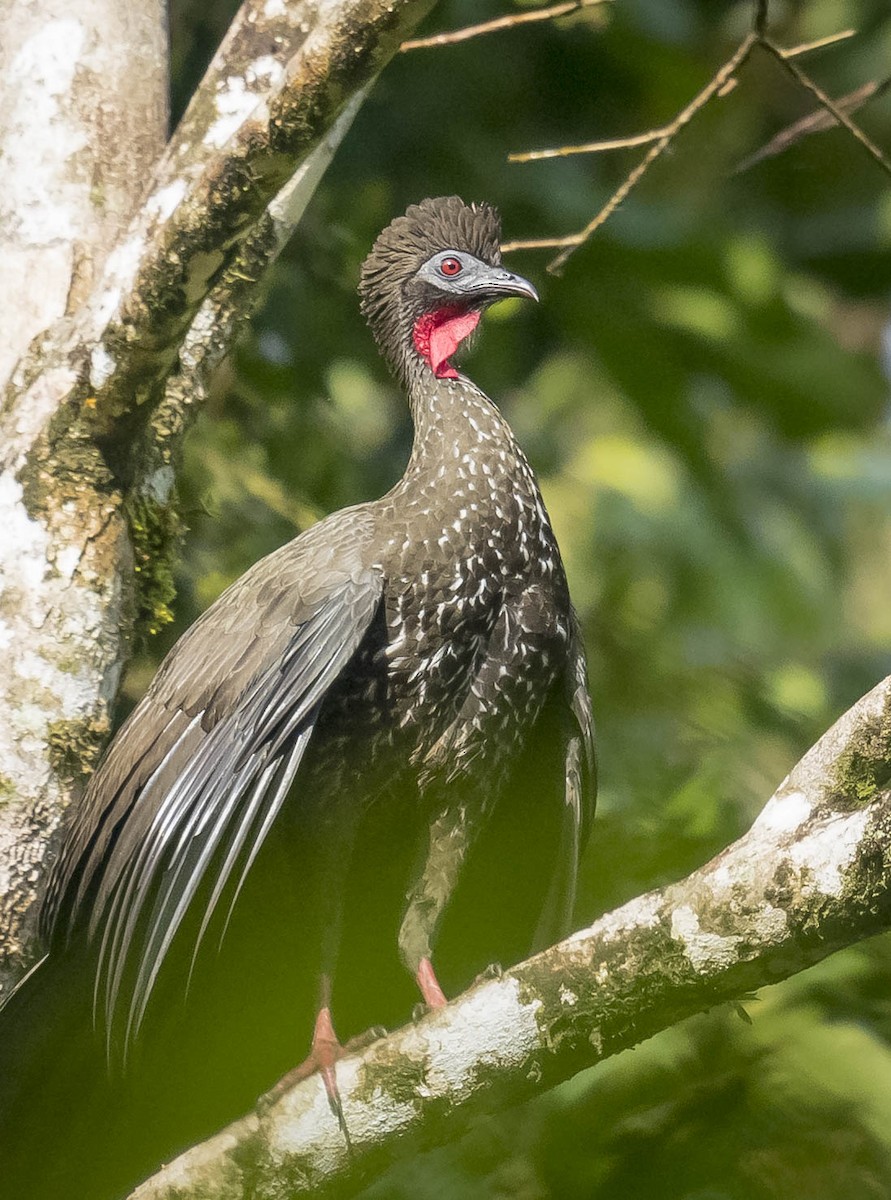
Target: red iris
450, 266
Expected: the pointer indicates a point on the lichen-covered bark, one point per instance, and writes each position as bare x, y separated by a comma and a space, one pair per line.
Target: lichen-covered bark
810, 877
89, 425
83, 115
83, 91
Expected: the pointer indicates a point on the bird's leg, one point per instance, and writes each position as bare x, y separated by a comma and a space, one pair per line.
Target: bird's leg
450, 837
326, 1048
434, 996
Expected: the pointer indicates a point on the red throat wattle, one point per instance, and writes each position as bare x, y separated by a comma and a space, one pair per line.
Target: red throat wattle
438, 335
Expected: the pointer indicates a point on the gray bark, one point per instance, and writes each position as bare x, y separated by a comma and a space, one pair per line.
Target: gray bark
83, 118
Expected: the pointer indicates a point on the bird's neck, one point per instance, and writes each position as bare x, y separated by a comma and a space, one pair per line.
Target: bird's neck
454, 421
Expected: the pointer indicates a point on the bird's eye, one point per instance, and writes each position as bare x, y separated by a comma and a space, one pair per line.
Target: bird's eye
450, 266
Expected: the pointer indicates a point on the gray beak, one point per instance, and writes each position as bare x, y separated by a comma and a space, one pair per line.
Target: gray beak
499, 283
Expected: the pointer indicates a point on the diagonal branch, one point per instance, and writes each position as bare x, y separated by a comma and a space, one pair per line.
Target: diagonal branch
810, 877
840, 113
217, 324
660, 139
817, 121
197, 225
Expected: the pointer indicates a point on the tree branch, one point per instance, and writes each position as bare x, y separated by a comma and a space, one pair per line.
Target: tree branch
90, 425
810, 877
661, 138
510, 21
83, 117
817, 121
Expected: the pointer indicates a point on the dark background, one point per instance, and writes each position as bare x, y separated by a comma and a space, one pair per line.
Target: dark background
702, 396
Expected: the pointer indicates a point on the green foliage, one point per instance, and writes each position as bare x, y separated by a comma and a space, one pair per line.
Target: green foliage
702, 396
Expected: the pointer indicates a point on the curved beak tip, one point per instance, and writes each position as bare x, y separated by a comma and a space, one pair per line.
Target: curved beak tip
501, 284
522, 287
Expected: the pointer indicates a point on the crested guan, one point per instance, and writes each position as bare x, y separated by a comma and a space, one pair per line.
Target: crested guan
371, 754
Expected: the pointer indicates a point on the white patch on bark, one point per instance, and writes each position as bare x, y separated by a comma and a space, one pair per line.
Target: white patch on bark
265, 70
20, 427
492, 1017
772, 923
235, 103
120, 271
642, 912
54, 624
706, 951
783, 813
824, 855
102, 366
39, 130
159, 485
162, 203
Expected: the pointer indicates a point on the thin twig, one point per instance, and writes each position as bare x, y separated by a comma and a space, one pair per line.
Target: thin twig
637, 139
831, 112
540, 243
828, 103
684, 117
819, 44
817, 121
551, 13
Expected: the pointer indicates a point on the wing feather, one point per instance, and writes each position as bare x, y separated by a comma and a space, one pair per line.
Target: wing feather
191, 787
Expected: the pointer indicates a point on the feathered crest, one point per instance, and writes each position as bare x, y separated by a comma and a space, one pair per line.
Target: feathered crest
443, 223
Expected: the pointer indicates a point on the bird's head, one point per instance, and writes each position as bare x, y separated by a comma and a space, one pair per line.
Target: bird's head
427, 279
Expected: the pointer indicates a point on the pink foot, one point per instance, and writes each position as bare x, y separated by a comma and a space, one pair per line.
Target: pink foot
325, 1052
434, 996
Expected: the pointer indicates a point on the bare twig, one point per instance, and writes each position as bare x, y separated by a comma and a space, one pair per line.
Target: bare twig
817, 121
664, 138
637, 139
820, 44
840, 115
551, 13
658, 139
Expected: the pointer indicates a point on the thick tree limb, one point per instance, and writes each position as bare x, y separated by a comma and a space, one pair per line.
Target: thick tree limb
83, 115
810, 877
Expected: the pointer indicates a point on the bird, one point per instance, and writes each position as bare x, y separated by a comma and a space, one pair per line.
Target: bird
377, 743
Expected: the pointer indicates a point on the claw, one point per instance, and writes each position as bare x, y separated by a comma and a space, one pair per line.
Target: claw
492, 971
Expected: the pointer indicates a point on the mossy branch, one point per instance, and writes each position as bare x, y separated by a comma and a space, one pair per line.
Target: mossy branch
810, 877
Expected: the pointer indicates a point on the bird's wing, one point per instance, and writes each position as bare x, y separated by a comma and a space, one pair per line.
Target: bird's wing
194, 780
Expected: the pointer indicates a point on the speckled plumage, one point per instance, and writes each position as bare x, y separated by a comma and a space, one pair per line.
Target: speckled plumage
395, 674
